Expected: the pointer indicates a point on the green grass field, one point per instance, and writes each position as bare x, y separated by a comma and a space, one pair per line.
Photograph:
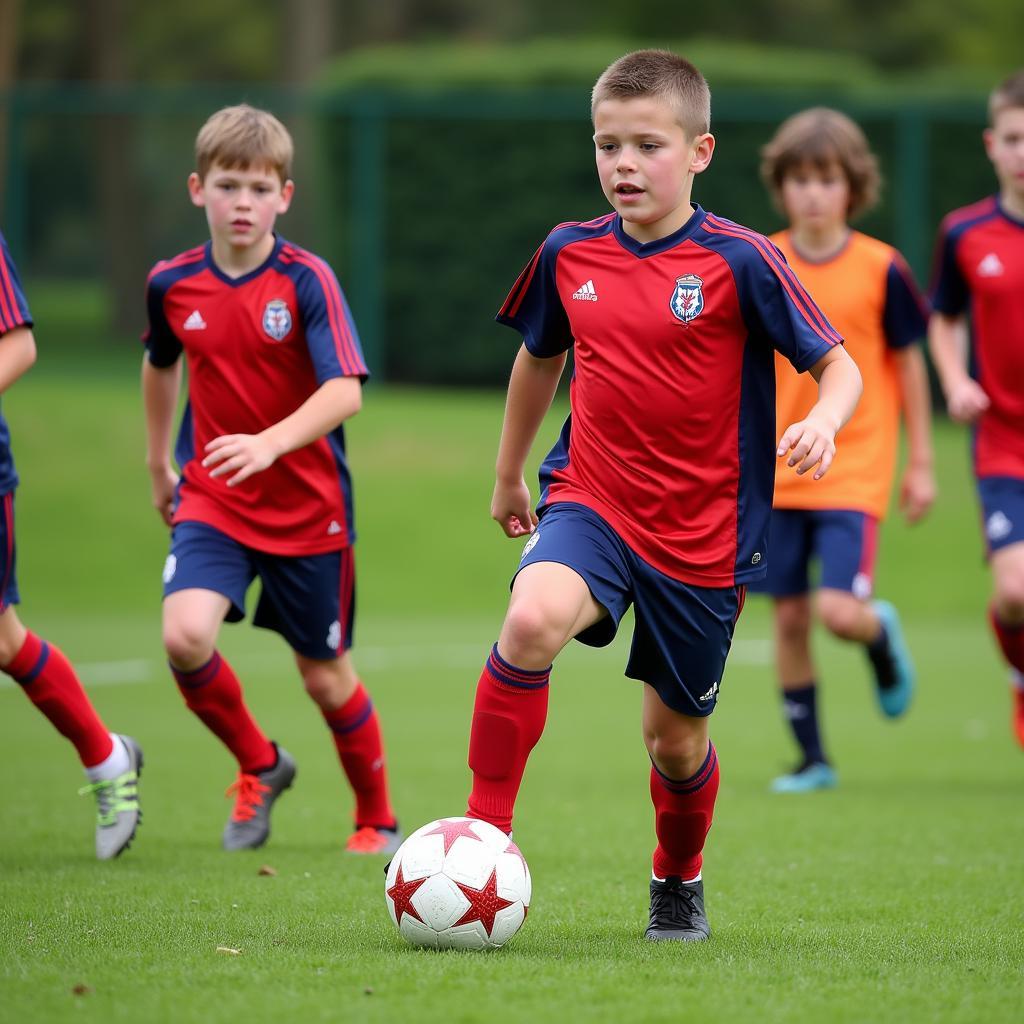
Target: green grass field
898, 897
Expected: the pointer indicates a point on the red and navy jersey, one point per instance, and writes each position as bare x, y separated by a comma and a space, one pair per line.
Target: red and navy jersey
13, 313
671, 435
257, 347
979, 271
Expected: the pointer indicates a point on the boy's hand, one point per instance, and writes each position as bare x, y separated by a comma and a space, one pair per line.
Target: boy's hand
917, 492
810, 443
512, 509
967, 400
240, 454
163, 481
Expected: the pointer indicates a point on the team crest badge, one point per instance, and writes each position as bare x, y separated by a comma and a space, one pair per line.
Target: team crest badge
277, 319
687, 300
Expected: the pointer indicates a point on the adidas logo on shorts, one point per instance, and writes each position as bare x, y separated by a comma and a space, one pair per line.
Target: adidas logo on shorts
707, 696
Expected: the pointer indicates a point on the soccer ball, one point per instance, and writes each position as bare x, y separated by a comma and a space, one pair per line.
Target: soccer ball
458, 883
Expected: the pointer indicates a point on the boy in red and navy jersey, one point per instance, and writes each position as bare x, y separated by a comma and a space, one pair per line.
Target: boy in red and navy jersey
112, 762
275, 368
659, 490
979, 276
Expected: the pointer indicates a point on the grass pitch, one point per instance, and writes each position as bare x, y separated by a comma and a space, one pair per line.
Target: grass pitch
897, 897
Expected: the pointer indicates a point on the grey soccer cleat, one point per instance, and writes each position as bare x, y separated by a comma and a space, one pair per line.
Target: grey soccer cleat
117, 805
249, 824
677, 911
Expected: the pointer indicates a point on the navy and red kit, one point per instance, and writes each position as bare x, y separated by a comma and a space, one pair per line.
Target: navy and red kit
671, 438
979, 271
14, 312
256, 348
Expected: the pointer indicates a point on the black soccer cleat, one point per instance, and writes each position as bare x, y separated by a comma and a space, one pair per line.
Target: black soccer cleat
677, 912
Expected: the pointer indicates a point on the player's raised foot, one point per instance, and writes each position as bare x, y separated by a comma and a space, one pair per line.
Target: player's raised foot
249, 824
1017, 696
368, 839
117, 805
677, 911
894, 674
807, 778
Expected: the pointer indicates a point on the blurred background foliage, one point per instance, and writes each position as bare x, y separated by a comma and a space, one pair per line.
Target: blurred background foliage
439, 140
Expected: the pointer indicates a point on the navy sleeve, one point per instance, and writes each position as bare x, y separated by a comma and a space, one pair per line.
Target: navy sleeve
162, 345
327, 321
904, 318
949, 291
775, 299
13, 304
534, 309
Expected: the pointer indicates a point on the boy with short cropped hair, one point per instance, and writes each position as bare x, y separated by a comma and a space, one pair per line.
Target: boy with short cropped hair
822, 174
658, 492
112, 762
979, 273
275, 368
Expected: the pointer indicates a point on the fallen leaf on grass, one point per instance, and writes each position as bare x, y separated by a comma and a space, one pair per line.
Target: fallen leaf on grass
81, 990
266, 869
229, 951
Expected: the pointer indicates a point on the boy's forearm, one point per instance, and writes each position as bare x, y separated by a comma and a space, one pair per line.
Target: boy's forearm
947, 342
839, 388
17, 354
160, 386
917, 406
332, 403
531, 390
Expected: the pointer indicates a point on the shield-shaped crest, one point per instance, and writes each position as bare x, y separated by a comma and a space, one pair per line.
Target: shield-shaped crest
277, 319
687, 300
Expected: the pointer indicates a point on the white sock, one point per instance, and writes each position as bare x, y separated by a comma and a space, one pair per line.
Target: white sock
116, 763
1016, 679
686, 881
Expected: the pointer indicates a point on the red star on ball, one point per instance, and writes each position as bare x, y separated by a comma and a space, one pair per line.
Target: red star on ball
484, 903
401, 893
451, 830
515, 851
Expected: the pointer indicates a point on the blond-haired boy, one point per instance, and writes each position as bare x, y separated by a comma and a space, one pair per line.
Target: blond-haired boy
275, 368
979, 272
657, 493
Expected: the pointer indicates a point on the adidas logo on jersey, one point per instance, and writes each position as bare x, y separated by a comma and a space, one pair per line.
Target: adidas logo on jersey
710, 693
586, 293
990, 266
195, 321
334, 528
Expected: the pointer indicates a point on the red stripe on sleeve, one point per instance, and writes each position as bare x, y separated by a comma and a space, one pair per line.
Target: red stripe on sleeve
10, 315
522, 285
348, 355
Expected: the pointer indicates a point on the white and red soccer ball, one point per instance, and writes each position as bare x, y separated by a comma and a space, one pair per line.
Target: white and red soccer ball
458, 883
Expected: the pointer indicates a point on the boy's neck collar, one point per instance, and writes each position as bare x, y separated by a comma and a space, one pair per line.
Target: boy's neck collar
643, 249
1011, 208
234, 279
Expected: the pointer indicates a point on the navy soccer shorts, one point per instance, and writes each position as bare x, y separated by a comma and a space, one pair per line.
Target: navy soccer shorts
1002, 509
682, 633
844, 544
8, 580
309, 600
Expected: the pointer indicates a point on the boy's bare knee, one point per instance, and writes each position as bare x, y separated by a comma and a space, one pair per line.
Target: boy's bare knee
679, 755
188, 646
793, 619
328, 683
841, 615
532, 635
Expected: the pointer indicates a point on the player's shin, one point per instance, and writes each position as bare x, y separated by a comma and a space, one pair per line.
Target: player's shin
683, 810
508, 718
1010, 639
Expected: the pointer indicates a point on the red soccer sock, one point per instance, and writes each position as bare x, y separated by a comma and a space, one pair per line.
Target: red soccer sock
508, 719
682, 816
1010, 638
214, 693
49, 681
357, 738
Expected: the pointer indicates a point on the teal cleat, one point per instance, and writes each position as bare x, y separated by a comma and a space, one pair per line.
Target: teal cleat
894, 693
806, 779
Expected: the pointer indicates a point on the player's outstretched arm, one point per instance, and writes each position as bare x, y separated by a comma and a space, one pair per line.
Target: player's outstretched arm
531, 390
812, 441
947, 342
242, 455
17, 354
917, 489
160, 386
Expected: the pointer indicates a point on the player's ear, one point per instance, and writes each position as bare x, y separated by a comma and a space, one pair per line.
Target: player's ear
287, 191
988, 137
703, 148
195, 190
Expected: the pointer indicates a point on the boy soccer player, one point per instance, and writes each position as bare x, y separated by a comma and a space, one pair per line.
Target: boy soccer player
979, 271
275, 368
821, 173
112, 763
658, 491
